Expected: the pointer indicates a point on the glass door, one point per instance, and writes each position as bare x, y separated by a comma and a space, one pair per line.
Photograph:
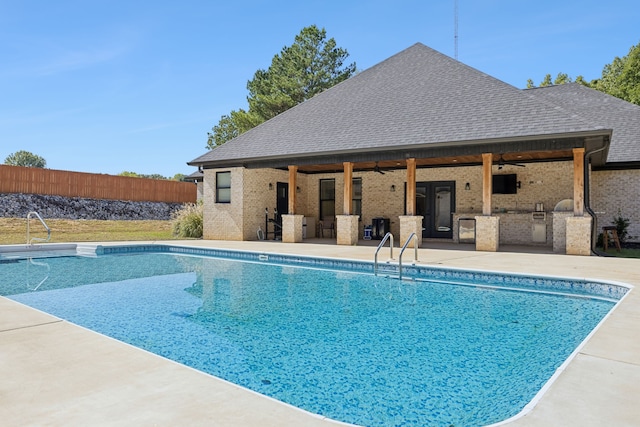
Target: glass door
435, 202
282, 205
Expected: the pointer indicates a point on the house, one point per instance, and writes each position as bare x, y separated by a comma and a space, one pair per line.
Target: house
421, 143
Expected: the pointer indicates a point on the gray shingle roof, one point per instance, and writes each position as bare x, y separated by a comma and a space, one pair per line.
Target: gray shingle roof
600, 108
417, 97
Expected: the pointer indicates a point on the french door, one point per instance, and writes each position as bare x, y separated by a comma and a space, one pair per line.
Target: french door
435, 202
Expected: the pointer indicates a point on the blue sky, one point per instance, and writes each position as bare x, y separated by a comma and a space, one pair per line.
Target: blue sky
106, 86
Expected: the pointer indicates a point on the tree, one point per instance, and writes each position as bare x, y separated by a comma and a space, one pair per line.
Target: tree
561, 78
232, 125
139, 175
25, 158
620, 78
309, 66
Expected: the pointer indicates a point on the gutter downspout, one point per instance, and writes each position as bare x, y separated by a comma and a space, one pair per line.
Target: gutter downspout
587, 201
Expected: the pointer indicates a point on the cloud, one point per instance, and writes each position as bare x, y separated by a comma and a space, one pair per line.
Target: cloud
39, 54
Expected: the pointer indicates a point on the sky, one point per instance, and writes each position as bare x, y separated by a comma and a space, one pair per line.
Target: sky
107, 86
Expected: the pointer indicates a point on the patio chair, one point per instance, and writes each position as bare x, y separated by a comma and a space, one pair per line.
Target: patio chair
327, 223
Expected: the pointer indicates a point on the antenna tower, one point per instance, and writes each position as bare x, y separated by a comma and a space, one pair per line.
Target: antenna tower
455, 29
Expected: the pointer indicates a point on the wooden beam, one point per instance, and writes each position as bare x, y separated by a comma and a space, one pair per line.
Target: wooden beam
578, 181
293, 175
487, 183
348, 188
411, 186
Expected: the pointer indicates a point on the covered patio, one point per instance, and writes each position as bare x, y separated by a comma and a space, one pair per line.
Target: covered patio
350, 231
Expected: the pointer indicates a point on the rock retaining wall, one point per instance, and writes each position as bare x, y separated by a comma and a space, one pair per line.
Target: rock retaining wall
16, 205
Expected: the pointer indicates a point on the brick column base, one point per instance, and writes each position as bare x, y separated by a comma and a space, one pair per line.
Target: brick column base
579, 235
410, 224
347, 230
292, 228
487, 233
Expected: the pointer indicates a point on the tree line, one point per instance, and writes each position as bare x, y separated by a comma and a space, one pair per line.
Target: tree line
620, 78
27, 159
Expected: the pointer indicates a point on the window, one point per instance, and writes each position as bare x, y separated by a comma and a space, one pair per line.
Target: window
223, 187
327, 198
356, 197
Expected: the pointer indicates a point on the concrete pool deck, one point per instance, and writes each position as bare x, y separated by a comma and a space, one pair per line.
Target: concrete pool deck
55, 373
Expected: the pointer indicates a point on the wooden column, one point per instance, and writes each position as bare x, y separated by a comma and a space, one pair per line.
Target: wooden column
411, 186
348, 188
578, 181
293, 175
487, 183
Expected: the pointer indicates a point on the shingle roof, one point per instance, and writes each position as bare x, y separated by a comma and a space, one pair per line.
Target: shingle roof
417, 97
195, 176
600, 108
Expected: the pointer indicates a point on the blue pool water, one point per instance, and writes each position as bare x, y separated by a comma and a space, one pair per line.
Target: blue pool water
354, 347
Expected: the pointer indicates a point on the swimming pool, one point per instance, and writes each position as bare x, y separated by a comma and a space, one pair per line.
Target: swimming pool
353, 347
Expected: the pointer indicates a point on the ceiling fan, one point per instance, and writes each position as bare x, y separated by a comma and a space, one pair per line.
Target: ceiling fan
377, 168
502, 163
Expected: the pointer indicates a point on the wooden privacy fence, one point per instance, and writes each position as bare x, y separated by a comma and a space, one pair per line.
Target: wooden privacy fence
17, 179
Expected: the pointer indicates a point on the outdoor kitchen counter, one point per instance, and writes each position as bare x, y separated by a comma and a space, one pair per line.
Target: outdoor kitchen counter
517, 227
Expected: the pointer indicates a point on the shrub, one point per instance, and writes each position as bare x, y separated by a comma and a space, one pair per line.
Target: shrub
622, 227
187, 222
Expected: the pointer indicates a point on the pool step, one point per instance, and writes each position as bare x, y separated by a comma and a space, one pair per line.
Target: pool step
87, 250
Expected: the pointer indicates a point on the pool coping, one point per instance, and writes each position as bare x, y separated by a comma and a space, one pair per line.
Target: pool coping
544, 411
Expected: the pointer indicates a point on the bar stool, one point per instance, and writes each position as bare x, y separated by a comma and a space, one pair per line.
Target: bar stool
614, 237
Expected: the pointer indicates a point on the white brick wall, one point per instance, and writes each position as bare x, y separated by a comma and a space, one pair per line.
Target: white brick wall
617, 193
223, 221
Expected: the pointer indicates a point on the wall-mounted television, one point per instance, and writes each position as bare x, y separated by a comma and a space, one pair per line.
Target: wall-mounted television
505, 184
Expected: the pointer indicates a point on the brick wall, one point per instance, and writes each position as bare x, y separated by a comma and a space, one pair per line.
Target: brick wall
258, 196
615, 193
223, 221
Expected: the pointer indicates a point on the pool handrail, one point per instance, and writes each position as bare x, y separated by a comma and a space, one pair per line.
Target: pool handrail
415, 257
386, 237
30, 241
41, 264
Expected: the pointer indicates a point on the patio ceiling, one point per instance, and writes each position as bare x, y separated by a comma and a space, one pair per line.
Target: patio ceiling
462, 160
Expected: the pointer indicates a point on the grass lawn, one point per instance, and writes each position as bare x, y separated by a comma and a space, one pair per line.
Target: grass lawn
14, 230
624, 253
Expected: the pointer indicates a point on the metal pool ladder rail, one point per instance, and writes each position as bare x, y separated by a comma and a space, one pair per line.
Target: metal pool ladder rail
41, 264
415, 258
30, 241
386, 237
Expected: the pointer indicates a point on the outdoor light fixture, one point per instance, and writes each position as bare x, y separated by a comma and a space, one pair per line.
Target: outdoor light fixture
298, 189
270, 186
467, 186
393, 188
